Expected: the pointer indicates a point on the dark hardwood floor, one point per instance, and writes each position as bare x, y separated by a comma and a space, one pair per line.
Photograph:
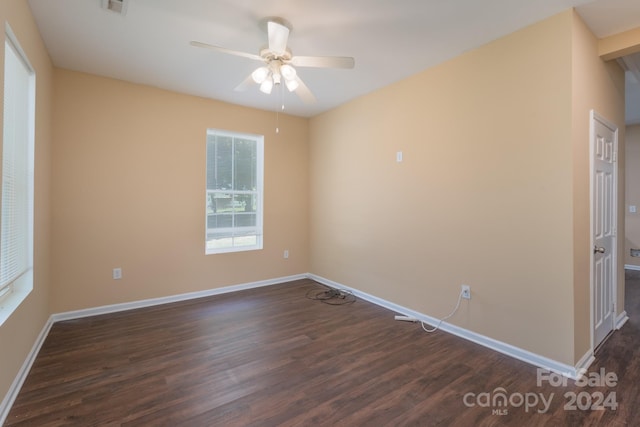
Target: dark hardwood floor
272, 357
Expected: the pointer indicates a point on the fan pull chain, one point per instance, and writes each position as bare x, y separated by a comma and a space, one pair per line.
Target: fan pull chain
281, 108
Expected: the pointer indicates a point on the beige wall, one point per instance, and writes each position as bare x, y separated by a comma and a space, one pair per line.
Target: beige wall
483, 197
19, 332
597, 85
493, 192
129, 192
632, 220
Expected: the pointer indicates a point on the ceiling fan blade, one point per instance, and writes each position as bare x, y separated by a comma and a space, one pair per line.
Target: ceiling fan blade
323, 61
304, 93
245, 84
278, 37
225, 50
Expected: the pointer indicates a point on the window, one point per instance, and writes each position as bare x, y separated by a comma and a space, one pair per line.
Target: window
16, 209
234, 191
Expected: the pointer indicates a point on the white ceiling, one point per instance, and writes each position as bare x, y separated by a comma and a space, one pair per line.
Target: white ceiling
390, 40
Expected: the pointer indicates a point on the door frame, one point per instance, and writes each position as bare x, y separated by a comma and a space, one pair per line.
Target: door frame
593, 117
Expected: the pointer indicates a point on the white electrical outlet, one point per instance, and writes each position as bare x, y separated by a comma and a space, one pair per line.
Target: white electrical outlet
466, 291
117, 273
286, 253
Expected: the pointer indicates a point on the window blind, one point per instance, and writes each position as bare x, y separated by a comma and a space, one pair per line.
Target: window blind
17, 171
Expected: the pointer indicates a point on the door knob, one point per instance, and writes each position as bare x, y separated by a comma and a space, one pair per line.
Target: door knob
598, 250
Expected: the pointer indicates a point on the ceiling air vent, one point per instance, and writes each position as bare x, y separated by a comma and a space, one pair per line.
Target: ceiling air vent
118, 6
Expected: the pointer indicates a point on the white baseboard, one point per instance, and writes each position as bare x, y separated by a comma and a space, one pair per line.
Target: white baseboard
499, 346
11, 395
632, 267
584, 363
114, 308
621, 319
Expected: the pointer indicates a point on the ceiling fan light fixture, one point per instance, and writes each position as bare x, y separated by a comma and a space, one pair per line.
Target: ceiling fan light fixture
278, 64
292, 84
288, 72
266, 86
260, 74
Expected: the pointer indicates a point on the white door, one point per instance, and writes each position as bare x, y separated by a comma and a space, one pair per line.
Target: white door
604, 138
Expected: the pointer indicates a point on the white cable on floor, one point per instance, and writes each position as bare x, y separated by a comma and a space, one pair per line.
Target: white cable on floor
435, 328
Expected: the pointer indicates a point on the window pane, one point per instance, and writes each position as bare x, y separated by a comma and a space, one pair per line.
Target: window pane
210, 204
219, 241
238, 204
245, 165
245, 220
219, 162
250, 240
219, 221
248, 202
222, 202
211, 162
219, 235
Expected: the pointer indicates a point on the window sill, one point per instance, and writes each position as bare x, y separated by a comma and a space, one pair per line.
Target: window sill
209, 251
22, 288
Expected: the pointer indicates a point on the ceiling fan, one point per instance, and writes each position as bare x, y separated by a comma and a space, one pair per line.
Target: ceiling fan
279, 63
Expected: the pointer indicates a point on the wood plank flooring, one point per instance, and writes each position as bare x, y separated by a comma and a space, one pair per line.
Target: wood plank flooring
272, 357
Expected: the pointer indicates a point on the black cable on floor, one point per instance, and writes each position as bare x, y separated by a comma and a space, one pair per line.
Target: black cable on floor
331, 296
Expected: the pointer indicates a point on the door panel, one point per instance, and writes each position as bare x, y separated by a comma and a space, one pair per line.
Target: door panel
604, 228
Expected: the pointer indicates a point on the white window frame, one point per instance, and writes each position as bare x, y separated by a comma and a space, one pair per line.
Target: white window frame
238, 232
18, 288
